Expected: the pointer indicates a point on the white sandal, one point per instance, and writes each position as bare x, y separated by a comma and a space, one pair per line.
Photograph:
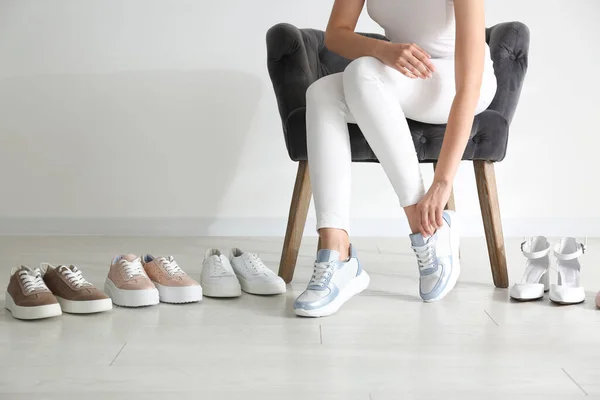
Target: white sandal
568, 290
535, 281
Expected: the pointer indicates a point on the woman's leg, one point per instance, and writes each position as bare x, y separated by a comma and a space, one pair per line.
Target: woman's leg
337, 274
381, 98
329, 161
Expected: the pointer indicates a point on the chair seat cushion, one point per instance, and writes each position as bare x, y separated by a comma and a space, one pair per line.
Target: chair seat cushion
488, 140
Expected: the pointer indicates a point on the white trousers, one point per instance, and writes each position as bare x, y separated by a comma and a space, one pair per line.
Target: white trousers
379, 99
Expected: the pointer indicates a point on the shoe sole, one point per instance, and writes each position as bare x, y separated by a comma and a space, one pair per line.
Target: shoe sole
221, 291
355, 286
30, 313
84, 306
262, 289
577, 297
455, 245
178, 294
526, 299
131, 298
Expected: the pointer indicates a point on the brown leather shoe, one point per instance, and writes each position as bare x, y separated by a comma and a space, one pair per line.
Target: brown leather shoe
73, 292
28, 297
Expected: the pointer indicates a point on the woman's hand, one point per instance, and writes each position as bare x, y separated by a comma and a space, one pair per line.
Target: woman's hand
432, 205
409, 59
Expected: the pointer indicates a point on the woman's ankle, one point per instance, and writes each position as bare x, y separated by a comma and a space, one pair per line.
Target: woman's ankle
335, 239
413, 218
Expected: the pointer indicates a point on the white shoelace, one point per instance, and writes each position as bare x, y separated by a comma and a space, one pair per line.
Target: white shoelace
74, 276
32, 280
321, 273
170, 265
217, 267
132, 268
425, 256
255, 263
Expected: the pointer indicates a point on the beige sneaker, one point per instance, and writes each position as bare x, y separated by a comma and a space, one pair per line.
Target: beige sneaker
174, 285
127, 283
28, 297
73, 292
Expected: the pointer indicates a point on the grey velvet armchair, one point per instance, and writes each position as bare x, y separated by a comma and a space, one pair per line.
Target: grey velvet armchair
298, 57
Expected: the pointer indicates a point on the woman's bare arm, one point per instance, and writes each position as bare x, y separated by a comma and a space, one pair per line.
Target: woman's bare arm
469, 63
340, 38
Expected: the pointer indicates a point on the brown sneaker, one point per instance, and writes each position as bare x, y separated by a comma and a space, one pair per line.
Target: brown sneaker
174, 285
28, 297
73, 292
127, 283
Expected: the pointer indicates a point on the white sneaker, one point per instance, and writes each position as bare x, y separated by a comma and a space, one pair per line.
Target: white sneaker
438, 259
253, 274
333, 283
568, 290
217, 277
535, 281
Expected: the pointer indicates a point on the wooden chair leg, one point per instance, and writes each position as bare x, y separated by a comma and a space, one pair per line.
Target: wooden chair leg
296, 221
451, 205
490, 211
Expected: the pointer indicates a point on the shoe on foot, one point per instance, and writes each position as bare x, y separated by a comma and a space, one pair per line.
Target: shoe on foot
218, 278
173, 284
253, 274
28, 297
535, 281
128, 284
568, 290
74, 294
438, 259
332, 284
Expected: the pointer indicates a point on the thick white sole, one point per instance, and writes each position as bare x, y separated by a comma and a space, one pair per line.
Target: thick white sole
179, 294
84, 307
455, 245
355, 286
131, 298
37, 312
264, 289
221, 290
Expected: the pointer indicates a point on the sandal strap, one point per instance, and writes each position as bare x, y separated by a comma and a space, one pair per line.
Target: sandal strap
581, 249
532, 255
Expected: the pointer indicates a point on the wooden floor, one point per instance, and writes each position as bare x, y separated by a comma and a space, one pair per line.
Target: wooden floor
384, 344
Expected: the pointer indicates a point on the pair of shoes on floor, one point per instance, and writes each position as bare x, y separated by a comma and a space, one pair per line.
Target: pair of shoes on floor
334, 282
227, 277
137, 282
47, 291
536, 279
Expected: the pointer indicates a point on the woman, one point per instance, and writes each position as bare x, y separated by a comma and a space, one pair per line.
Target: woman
435, 69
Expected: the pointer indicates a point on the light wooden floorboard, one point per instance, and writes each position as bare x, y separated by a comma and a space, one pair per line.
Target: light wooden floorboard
383, 344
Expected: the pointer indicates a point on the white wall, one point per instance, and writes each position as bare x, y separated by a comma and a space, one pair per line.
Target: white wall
157, 116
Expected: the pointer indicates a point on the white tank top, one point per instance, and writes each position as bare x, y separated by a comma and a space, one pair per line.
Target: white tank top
428, 23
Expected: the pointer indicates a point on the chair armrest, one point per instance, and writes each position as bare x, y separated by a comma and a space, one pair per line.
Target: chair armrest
509, 47
292, 68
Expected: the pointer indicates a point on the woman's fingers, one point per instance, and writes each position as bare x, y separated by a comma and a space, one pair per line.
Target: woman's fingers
416, 63
404, 71
422, 56
438, 218
410, 62
427, 231
415, 66
433, 219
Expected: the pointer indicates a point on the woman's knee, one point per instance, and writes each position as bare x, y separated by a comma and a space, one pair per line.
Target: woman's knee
363, 70
327, 90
